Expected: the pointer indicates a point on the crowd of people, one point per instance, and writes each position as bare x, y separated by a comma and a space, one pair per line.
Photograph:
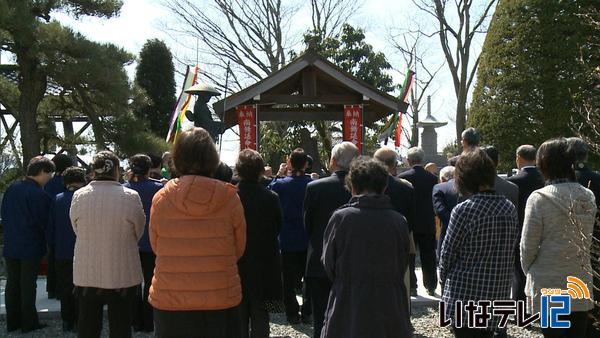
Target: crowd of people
170, 245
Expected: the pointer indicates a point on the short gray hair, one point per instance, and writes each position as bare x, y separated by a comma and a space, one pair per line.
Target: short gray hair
471, 136
527, 152
343, 154
447, 173
415, 155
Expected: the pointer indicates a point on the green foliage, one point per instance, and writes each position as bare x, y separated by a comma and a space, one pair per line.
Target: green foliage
349, 51
155, 74
531, 73
130, 137
43, 49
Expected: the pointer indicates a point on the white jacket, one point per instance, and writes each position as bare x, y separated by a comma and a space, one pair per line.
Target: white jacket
556, 240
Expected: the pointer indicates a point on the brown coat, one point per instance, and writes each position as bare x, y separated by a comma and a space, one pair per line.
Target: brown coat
198, 232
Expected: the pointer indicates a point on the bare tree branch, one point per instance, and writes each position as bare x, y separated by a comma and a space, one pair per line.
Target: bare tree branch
456, 33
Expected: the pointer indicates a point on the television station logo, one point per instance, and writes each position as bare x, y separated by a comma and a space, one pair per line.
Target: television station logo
553, 303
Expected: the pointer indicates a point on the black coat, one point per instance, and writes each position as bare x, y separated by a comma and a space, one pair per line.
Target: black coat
260, 266
365, 254
402, 197
528, 180
323, 197
591, 180
423, 182
445, 198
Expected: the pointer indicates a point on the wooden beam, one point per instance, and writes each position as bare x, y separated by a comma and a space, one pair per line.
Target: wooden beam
321, 99
11, 139
309, 82
79, 132
300, 115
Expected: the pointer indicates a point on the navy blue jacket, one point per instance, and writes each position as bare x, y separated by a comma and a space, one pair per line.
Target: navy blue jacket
445, 198
146, 188
25, 211
60, 233
55, 186
291, 191
323, 197
423, 182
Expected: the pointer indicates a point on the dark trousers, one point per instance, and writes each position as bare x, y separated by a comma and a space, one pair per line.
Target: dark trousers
91, 303
318, 290
293, 265
21, 278
195, 324
51, 279
519, 279
65, 289
578, 327
472, 333
143, 315
426, 245
254, 318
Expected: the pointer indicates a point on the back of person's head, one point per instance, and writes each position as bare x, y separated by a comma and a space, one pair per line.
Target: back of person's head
387, 156
223, 173
74, 176
492, 153
298, 159
140, 164
105, 166
474, 169
579, 149
39, 165
343, 154
62, 162
554, 159
249, 166
527, 152
470, 137
447, 173
194, 153
415, 155
309, 164
432, 168
367, 176
156, 160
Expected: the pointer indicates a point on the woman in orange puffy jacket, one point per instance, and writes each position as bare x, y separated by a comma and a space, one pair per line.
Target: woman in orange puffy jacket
198, 232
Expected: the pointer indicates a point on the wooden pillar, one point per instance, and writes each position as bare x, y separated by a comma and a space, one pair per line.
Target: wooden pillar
70, 138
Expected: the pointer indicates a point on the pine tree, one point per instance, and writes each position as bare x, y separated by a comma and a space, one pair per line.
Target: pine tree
155, 74
530, 73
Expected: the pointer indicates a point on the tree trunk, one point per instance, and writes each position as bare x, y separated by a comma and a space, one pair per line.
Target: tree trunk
461, 115
414, 140
70, 139
32, 87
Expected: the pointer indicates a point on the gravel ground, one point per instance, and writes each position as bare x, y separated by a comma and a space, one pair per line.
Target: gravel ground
425, 321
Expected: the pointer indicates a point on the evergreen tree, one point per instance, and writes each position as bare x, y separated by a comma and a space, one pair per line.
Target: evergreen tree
25, 30
155, 74
530, 73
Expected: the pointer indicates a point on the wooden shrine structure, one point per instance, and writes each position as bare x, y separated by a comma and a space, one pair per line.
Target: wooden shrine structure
310, 88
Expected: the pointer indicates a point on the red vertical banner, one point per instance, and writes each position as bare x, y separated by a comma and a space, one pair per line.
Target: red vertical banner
398, 138
247, 121
353, 125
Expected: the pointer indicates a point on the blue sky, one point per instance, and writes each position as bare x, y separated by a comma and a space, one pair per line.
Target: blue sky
141, 20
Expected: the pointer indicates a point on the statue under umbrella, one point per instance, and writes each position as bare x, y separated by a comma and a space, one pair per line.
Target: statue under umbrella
202, 117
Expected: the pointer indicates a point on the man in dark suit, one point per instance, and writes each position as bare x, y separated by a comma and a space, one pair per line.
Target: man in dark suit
424, 219
400, 191
469, 140
502, 186
323, 197
401, 194
445, 198
528, 180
